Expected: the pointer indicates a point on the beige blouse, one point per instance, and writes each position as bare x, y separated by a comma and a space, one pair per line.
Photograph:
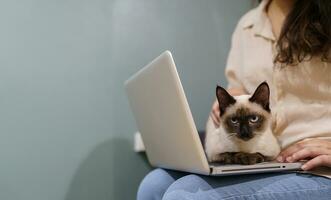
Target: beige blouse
300, 95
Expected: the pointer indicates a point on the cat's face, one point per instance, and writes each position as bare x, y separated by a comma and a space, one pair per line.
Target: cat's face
244, 116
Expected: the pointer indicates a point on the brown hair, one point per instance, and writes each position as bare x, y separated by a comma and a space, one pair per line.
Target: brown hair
306, 33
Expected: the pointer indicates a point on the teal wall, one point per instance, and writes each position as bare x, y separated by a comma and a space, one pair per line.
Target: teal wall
65, 125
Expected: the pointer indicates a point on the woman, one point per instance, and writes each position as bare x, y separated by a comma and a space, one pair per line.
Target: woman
288, 44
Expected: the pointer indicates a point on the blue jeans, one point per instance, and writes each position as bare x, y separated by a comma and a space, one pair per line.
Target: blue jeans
171, 185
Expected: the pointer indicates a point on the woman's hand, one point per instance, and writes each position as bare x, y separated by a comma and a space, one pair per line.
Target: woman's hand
215, 109
215, 113
316, 151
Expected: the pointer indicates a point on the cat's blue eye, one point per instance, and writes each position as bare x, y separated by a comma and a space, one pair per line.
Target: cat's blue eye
234, 120
254, 119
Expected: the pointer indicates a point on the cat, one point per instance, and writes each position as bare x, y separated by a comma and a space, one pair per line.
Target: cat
245, 134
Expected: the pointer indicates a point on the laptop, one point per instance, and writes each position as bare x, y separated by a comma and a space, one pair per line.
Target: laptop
164, 119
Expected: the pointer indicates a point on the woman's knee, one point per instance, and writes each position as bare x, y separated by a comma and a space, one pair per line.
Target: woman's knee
154, 185
185, 187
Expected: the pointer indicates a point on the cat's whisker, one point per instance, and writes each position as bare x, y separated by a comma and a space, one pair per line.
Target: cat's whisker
231, 135
257, 134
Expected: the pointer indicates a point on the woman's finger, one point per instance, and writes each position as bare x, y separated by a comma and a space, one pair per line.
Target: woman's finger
322, 160
215, 120
308, 152
289, 151
215, 113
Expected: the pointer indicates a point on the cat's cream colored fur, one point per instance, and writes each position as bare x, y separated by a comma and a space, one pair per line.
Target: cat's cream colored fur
218, 141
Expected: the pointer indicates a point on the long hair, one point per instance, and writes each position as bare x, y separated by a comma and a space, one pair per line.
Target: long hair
306, 33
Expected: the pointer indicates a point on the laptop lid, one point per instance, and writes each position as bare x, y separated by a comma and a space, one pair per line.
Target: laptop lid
163, 117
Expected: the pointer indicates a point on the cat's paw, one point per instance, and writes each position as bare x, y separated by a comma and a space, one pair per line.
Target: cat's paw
248, 158
224, 158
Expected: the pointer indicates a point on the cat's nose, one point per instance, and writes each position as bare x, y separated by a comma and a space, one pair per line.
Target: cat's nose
245, 134
246, 137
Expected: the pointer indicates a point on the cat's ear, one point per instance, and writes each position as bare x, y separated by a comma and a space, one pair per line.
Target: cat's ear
224, 99
261, 96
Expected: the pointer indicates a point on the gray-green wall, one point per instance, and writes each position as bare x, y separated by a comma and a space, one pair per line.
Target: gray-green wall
65, 125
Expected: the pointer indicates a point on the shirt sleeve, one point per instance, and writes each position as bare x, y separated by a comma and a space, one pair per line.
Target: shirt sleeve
233, 66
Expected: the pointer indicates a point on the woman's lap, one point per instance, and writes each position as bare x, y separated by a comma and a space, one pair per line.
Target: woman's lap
154, 185
264, 186
170, 185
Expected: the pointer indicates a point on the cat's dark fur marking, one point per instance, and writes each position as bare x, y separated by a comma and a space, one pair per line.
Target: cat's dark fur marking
243, 115
224, 99
240, 158
226, 158
248, 158
261, 96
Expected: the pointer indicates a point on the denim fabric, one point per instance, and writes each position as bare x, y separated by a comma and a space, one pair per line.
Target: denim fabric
170, 185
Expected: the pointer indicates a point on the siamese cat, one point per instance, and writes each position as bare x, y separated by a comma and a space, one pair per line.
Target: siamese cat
244, 135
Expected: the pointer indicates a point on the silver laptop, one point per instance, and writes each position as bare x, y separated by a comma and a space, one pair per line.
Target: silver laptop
164, 119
